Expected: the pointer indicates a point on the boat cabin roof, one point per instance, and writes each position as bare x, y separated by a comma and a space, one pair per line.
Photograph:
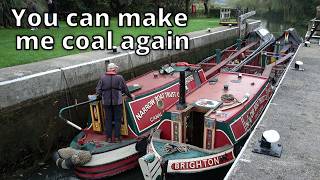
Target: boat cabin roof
150, 81
238, 87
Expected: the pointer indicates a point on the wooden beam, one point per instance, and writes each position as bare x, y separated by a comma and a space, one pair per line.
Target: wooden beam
208, 64
216, 69
268, 68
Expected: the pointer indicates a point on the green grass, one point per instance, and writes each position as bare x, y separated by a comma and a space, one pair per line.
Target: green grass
9, 56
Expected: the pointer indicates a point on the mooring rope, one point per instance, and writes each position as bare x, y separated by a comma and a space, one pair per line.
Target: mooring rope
170, 148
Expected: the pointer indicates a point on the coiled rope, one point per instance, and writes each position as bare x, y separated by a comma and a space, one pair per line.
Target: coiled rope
170, 148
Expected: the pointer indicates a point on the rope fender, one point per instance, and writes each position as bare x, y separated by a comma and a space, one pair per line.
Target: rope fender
68, 158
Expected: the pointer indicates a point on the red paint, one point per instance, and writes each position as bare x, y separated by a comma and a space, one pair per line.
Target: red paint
165, 128
108, 173
221, 139
149, 83
202, 76
105, 167
108, 169
242, 125
147, 111
191, 85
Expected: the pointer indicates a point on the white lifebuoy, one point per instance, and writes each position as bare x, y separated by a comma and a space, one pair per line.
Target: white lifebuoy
207, 103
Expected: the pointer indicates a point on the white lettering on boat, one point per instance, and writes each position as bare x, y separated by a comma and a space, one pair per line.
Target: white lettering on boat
201, 163
241, 126
148, 110
155, 117
145, 109
197, 164
159, 97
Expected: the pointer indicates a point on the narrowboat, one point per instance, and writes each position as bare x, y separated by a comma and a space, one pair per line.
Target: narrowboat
206, 129
91, 157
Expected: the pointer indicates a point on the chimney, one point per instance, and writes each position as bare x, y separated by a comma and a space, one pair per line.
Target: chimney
182, 91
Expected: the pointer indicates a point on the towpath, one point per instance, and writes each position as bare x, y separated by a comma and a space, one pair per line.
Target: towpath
295, 113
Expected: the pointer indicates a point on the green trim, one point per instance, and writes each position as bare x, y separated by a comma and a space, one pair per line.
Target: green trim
225, 126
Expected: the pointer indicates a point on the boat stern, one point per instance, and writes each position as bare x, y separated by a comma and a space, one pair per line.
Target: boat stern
150, 166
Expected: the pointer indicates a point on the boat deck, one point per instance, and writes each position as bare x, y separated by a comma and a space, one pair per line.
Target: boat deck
217, 68
294, 113
148, 82
237, 87
96, 143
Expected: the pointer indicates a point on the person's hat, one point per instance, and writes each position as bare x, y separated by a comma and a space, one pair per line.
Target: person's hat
112, 66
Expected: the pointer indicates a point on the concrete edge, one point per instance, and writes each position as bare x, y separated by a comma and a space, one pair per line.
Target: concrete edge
40, 84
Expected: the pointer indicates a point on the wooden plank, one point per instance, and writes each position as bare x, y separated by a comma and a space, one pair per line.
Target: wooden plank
213, 71
208, 64
268, 68
246, 66
285, 48
267, 71
283, 59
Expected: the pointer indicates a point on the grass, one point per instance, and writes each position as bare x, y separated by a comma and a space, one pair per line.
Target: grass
9, 56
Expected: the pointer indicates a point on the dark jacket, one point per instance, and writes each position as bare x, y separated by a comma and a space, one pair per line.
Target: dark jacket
111, 93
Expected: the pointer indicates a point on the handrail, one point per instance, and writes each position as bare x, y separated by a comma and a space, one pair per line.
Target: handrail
73, 106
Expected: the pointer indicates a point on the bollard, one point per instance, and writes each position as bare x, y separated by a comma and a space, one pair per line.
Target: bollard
218, 56
263, 59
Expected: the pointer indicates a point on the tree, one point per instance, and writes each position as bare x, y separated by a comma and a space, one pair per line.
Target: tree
187, 6
291, 10
206, 9
118, 5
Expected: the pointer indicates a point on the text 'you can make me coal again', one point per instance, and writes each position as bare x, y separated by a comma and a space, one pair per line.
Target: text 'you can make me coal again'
142, 44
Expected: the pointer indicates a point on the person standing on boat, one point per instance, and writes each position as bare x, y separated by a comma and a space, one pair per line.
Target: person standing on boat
110, 88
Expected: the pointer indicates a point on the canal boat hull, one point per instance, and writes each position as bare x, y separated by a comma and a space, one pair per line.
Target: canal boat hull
176, 149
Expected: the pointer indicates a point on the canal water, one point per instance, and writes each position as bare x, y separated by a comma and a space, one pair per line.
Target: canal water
277, 25
50, 172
